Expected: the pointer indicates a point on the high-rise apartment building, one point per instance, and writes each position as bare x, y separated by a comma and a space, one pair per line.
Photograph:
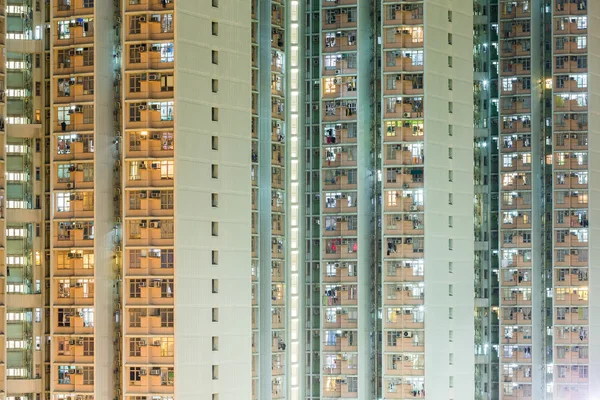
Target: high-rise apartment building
286, 199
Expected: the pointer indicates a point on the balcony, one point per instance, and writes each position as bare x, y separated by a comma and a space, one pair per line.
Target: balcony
340, 179
339, 111
569, 374
573, 83
339, 41
155, 292
149, 232
405, 178
404, 84
150, 86
70, 350
519, 66
516, 48
515, 335
78, 292
340, 203
571, 296
338, 249
404, 131
515, 29
405, 341
516, 353
403, 37
403, 14
571, 103
570, 122
575, 7
516, 125
76, 32
74, 176
154, 144
155, 56
149, 321
407, 61
515, 86
563, 26
405, 364
341, 274
149, 5
150, 27
152, 173
411, 154
573, 180
576, 46
406, 247
570, 334
404, 294
70, 8
516, 181
343, 18
73, 381
565, 277
81, 118
151, 350
74, 263
403, 271
74, 234
403, 224
73, 147
341, 320
403, 107
156, 380
278, 39
514, 316
344, 86
516, 220
515, 105
339, 134
344, 64
404, 318
151, 116
516, 296
509, 10
412, 389
573, 64
335, 3
338, 226
573, 161
74, 321
340, 295
571, 258
399, 200
75, 61
79, 205
153, 203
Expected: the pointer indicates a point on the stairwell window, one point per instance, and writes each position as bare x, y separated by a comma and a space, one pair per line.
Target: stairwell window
450, 39
215, 114
215, 29
215, 57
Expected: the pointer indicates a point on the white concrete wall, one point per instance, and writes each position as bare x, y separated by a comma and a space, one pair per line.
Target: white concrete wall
437, 210
193, 212
594, 193
104, 217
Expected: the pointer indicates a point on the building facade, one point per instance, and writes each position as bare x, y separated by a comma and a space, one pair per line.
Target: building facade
416, 223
